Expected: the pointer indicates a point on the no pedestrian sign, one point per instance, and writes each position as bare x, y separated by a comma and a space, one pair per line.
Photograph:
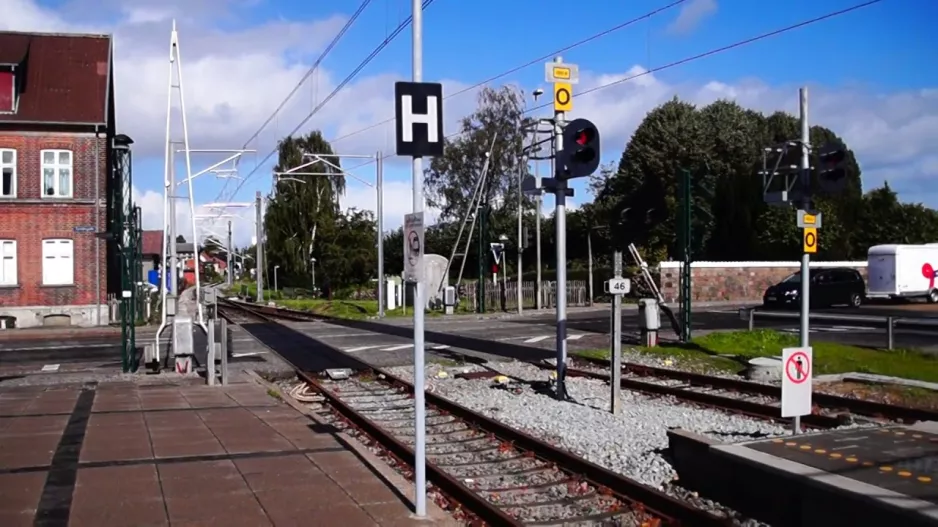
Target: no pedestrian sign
796, 381
413, 247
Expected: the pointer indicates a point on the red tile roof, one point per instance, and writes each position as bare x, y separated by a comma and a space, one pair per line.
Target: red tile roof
65, 77
152, 243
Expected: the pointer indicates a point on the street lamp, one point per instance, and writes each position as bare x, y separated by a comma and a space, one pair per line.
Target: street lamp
275, 276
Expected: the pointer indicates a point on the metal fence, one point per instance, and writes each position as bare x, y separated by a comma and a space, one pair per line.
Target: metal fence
505, 295
886, 322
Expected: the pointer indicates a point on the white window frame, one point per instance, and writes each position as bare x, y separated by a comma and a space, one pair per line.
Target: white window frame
57, 167
59, 253
8, 165
6, 248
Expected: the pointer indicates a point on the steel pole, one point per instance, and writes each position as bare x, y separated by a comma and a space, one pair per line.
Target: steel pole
560, 222
229, 258
379, 185
537, 233
420, 469
805, 258
520, 240
259, 258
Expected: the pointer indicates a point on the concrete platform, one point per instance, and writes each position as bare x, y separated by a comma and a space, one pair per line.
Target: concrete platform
119, 454
845, 477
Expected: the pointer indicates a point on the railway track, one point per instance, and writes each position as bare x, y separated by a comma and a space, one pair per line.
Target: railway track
500, 475
749, 397
734, 395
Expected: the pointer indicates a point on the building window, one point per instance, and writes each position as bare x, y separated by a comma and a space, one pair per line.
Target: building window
7, 262
7, 173
58, 263
56, 173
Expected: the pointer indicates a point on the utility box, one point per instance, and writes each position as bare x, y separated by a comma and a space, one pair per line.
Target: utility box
208, 296
182, 344
449, 298
649, 321
649, 317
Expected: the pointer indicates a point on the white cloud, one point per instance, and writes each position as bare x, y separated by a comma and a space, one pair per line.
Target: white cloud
691, 15
234, 79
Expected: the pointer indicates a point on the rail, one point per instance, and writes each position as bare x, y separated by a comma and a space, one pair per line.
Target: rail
672, 510
889, 322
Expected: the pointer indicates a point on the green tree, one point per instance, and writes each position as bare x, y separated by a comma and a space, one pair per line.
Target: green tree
452, 178
346, 250
301, 206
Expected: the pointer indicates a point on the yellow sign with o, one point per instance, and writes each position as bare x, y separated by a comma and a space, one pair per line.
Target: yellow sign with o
563, 97
810, 240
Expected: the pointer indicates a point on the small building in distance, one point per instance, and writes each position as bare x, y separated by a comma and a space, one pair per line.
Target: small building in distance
57, 127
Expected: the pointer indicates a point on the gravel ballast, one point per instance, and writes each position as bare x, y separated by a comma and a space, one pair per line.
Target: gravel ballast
631, 443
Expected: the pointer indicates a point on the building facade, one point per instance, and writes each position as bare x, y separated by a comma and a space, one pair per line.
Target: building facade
56, 134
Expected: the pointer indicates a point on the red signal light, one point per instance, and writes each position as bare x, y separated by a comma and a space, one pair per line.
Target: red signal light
494, 269
581, 138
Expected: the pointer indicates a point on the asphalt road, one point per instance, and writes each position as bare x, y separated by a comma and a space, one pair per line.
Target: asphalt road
320, 345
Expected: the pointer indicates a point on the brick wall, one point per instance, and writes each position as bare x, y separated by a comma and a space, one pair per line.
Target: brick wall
733, 281
29, 219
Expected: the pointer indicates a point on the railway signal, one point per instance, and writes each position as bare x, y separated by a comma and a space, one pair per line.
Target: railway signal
832, 168
580, 154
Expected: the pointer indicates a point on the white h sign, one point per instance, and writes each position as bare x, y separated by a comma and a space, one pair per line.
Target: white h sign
419, 134
410, 118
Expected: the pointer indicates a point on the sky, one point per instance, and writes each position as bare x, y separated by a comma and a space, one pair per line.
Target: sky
870, 75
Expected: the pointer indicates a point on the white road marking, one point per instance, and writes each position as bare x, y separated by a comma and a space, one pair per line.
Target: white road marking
396, 348
360, 348
440, 347
576, 337
247, 354
51, 367
532, 340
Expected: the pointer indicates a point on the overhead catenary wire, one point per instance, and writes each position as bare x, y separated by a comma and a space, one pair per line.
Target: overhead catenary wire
397, 31
680, 62
532, 62
312, 69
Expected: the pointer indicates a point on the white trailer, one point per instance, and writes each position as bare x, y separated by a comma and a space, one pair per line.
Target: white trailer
903, 271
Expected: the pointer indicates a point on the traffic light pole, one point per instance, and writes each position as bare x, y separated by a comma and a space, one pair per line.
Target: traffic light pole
560, 224
685, 240
805, 176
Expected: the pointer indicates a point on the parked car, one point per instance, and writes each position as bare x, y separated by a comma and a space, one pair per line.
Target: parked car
828, 287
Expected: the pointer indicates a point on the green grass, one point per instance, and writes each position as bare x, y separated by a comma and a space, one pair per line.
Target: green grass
728, 351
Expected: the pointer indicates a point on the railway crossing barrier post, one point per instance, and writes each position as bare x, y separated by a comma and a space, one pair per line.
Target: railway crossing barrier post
890, 323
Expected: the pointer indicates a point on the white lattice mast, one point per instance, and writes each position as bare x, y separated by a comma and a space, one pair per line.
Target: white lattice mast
169, 287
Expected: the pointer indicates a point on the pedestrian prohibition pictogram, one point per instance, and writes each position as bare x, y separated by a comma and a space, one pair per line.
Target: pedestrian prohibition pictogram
796, 381
798, 368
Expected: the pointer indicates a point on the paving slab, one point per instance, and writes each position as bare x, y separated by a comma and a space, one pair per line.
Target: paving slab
118, 454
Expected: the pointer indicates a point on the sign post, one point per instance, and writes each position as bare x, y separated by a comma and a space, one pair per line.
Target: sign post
617, 287
798, 366
418, 108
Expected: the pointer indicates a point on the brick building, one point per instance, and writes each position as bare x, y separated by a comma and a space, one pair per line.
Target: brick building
56, 132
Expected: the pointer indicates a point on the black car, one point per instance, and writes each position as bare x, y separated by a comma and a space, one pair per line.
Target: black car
828, 287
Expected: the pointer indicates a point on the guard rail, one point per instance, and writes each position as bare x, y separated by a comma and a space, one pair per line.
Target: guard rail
889, 322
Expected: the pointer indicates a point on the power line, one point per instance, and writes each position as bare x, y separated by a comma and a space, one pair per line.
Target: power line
532, 62
309, 73
686, 60
312, 69
401, 27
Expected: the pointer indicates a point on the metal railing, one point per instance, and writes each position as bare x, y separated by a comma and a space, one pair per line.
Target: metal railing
889, 322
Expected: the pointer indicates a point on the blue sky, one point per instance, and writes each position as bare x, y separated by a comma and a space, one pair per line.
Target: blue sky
870, 73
